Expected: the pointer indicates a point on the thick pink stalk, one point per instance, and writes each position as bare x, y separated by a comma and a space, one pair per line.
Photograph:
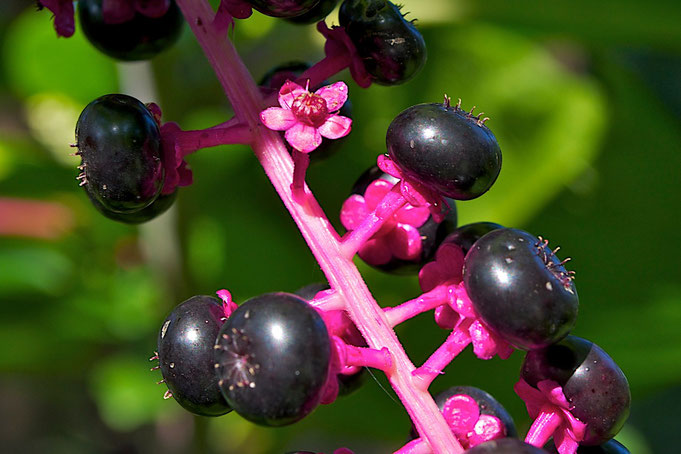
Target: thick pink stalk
318, 232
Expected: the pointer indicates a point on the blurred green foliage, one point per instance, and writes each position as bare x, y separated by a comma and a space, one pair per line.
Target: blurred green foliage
583, 96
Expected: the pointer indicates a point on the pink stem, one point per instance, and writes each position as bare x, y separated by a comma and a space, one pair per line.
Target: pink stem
416, 446
367, 357
455, 343
190, 141
393, 201
323, 69
543, 427
301, 161
318, 232
428, 301
330, 301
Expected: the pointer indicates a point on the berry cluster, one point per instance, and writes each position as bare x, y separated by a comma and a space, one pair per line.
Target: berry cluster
274, 358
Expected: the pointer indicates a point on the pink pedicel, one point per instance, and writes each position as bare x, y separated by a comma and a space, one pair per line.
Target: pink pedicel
64, 22
550, 409
228, 11
339, 46
176, 168
415, 193
307, 117
228, 306
398, 237
447, 270
462, 413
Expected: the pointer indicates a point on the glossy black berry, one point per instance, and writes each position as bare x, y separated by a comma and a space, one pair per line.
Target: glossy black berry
592, 383
319, 12
466, 235
119, 144
520, 289
392, 49
445, 149
488, 405
431, 232
283, 8
505, 446
272, 359
185, 353
155, 209
138, 38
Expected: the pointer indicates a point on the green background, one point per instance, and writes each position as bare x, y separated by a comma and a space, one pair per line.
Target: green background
584, 97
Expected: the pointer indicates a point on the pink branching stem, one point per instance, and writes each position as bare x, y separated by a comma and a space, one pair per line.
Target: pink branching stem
427, 301
328, 301
417, 446
368, 357
318, 232
301, 162
544, 426
455, 343
393, 201
323, 69
189, 141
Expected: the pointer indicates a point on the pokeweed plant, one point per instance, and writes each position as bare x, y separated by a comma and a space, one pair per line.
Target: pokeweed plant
277, 356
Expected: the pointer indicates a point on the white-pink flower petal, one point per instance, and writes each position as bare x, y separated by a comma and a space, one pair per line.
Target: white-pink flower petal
288, 92
335, 95
278, 119
303, 138
335, 127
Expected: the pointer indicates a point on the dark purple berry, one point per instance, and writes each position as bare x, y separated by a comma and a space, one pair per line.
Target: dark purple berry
119, 144
446, 149
283, 8
138, 38
505, 446
392, 49
592, 383
319, 12
431, 232
272, 359
156, 208
520, 289
488, 405
466, 235
185, 353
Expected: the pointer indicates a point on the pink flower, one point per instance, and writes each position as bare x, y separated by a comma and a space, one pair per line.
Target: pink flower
307, 117
399, 237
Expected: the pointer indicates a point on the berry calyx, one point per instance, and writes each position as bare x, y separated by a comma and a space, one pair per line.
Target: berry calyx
119, 143
446, 149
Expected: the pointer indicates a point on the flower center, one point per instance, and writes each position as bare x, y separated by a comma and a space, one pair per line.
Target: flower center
310, 109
